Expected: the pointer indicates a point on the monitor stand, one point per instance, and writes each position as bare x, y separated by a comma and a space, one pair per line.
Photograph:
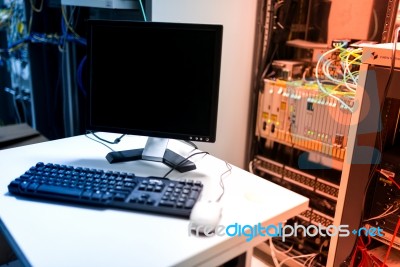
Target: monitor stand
155, 150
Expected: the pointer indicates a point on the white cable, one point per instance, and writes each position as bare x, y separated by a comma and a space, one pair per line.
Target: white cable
307, 261
320, 85
325, 69
275, 259
221, 179
285, 251
307, 70
375, 15
273, 255
383, 214
327, 66
297, 257
311, 259
251, 167
350, 86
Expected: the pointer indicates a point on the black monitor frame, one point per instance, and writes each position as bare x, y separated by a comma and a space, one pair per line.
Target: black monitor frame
108, 107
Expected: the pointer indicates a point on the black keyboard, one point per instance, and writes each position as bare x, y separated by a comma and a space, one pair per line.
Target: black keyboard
108, 189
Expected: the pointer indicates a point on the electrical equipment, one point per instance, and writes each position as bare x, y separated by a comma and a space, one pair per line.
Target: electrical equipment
386, 238
381, 54
380, 253
288, 69
322, 193
385, 199
309, 119
117, 4
296, 113
13, 20
317, 243
317, 111
385, 203
315, 217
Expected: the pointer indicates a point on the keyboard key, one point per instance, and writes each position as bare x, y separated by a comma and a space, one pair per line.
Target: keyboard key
61, 191
24, 185
190, 203
87, 194
194, 195
120, 197
166, 203
33, 186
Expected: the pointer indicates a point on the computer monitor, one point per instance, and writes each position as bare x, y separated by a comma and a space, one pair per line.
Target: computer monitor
154, 79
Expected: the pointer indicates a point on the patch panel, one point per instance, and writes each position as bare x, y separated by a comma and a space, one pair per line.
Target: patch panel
322, 194
316, 217
270, 166
317, 201
298, 177
327, 189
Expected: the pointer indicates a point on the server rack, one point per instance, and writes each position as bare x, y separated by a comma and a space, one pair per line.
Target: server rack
349, 183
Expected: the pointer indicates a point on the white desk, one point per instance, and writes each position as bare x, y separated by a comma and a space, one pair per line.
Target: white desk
44, 233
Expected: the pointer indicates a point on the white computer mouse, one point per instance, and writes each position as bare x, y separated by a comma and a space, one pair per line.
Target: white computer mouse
205, 216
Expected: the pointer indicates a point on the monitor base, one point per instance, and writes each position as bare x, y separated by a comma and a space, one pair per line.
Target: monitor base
170, 158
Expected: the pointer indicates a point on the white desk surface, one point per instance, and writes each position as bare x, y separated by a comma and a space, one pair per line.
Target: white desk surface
45, 233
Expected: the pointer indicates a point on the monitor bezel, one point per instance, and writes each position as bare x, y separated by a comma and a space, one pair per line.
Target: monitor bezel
212, 132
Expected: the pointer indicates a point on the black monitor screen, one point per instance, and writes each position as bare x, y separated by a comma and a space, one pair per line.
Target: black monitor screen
155, 79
